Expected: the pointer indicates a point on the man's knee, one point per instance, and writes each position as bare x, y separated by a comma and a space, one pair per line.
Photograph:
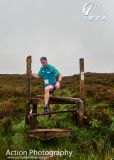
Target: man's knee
46, 90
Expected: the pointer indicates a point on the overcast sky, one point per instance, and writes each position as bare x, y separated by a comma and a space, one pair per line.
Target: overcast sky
58, 30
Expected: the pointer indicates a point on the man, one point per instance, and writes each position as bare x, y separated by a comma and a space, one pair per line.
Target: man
49, 74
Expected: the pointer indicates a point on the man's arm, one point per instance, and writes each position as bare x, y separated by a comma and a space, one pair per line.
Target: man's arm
35, 75
60, 78
58, 82
57, 73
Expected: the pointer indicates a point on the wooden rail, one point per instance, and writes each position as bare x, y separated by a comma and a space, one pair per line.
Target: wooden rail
53, 112
55, 100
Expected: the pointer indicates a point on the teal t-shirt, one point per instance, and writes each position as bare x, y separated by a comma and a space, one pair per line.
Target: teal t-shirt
49, 74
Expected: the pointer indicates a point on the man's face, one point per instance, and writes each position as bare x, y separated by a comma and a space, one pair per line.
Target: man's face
44, 63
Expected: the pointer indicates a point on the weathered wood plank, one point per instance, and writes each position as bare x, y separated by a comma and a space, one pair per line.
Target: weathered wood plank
55, 100
53, 112
46, 134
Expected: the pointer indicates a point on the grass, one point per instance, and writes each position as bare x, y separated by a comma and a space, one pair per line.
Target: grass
94, 142
86, 143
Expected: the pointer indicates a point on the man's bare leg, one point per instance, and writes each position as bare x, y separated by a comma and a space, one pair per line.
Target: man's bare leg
46, 97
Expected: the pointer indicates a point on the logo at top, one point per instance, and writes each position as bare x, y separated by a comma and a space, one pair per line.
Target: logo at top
87, 11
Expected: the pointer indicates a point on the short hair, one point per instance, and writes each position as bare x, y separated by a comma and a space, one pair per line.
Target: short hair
43, 58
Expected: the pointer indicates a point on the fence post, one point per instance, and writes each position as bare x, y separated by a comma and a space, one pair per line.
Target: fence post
28, 86
82, 90
81, 114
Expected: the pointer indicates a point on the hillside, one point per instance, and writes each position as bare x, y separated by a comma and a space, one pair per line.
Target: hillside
93, 142
99, 86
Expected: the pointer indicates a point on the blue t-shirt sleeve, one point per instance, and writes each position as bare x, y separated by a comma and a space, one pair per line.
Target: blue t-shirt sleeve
55, 71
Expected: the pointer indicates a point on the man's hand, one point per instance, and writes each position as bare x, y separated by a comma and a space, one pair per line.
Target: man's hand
57, 85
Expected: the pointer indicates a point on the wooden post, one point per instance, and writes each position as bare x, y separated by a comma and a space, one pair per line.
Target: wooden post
33, 122
81, 114
82, 91
33, 119
28, 86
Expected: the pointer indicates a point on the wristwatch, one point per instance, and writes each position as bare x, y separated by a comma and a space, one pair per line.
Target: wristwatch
59, 81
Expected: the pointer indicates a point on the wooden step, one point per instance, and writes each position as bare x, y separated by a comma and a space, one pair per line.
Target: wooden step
46, 134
